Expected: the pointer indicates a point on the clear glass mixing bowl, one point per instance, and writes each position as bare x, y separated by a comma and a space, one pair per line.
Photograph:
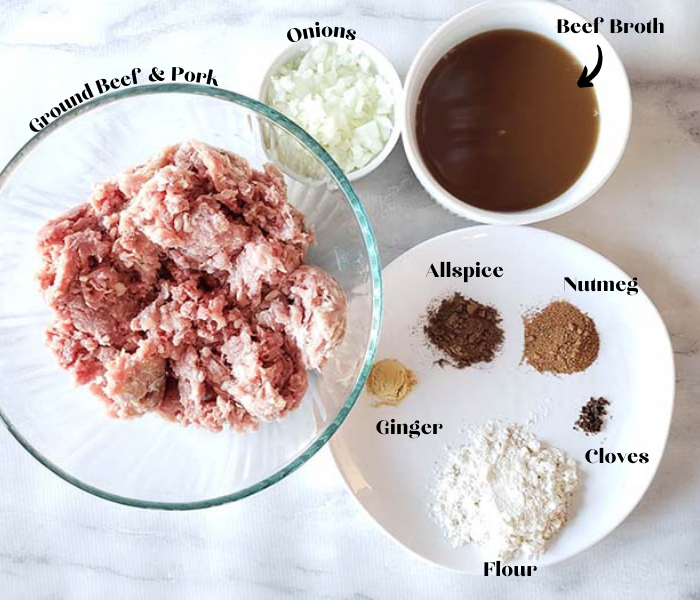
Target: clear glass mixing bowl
149, 462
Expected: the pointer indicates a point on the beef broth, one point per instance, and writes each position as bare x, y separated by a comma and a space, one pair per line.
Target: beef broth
501, 123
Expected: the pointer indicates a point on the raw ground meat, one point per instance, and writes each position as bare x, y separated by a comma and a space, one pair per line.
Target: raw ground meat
179, 288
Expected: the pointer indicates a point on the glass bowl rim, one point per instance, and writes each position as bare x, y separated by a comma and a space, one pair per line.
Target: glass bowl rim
367, 235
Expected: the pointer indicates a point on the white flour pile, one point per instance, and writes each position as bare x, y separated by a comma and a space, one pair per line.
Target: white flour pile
506, 491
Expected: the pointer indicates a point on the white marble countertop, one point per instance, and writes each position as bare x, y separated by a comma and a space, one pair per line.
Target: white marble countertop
307, 537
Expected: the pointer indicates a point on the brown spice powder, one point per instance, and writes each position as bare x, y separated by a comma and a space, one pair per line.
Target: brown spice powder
466, 331
560, 339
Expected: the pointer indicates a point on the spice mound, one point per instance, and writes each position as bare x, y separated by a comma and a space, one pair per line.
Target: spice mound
560, 339
592, 417
464, 330
506, 491
390, 381
179, 288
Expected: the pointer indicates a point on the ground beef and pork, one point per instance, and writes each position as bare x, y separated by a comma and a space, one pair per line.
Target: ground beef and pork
180, 288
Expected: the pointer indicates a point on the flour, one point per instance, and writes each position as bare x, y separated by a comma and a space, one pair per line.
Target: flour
506, 491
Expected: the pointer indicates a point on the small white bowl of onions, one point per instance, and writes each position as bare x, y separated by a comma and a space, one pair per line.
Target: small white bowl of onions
345, 94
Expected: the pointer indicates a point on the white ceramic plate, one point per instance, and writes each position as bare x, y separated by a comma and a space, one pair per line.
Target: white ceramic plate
392, 476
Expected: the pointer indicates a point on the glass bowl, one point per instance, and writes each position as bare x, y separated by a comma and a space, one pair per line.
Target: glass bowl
149, 462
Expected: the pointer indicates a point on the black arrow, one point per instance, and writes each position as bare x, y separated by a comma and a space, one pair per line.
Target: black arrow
586, 80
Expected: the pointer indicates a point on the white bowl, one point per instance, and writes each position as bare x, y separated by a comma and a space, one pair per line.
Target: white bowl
611, 87
384, 68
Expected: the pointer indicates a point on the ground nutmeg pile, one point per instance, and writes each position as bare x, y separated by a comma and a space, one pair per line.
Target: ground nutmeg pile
464, 330
560, 339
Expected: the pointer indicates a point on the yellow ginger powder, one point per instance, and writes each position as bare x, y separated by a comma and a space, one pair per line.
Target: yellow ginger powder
390, 381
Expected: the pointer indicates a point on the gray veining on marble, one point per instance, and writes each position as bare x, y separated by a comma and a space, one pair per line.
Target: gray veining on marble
306, 537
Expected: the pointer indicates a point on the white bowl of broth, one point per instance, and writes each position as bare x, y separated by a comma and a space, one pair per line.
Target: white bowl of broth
497, 129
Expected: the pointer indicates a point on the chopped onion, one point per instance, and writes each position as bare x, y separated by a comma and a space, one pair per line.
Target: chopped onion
335, 93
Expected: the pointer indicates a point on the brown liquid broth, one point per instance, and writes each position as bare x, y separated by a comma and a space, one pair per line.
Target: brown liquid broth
502, 124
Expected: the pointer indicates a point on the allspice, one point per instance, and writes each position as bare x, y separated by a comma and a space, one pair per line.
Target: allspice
465, 331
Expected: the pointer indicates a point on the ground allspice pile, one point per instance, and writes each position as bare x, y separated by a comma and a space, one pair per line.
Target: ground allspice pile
560, 339
464, 330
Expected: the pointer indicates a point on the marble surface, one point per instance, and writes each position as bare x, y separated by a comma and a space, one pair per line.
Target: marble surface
307, 537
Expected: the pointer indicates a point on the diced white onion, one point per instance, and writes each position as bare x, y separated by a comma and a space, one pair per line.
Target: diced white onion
336, 94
